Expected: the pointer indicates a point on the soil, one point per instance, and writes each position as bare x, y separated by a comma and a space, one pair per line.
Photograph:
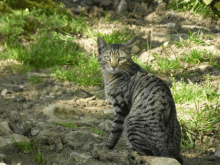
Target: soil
42, 105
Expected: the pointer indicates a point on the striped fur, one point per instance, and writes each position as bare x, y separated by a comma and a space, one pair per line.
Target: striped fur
143, 104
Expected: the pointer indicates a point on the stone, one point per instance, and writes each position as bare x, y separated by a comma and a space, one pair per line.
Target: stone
134, 49
109, 113
16, 124
76, 140
66, 83
7, 145
35, 131
105, 125
217, 153
19, 98
161, 37
165, 161
179, 37
82, 94
80, 157
4, 92
4, 128
146, 57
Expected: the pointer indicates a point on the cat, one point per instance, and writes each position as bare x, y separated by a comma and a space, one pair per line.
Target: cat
143, 104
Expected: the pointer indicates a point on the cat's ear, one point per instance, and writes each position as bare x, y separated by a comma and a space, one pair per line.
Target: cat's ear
128, 45
101, 44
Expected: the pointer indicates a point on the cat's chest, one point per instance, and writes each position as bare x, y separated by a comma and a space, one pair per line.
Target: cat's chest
117, 92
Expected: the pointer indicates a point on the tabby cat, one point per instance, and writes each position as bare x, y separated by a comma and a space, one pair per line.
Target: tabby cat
143, 104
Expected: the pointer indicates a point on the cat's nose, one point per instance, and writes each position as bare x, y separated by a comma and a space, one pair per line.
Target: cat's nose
114, 67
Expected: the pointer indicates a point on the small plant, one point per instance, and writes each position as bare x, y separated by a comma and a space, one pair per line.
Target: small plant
33, 148
72, 125
166, 65
35, 80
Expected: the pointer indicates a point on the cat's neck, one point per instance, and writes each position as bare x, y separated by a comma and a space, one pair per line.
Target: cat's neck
108, 77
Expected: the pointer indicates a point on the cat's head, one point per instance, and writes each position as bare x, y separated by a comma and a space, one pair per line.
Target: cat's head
114, 58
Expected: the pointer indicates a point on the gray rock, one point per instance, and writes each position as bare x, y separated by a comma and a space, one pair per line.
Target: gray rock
179, 37
7, 145
165, 161
146, 57
217, 153
59, 147
4, 128
16, 124
109, 113
76, 140
82, 94
105, 125
19, 98
34, 131
4, 92
80, 157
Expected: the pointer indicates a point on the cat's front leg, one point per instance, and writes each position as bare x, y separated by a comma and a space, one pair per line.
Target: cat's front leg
117, 127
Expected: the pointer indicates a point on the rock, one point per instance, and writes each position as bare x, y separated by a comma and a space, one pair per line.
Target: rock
28, 105
217, 153
66, 83
165, 161
4, 92
7, 145
82, 94
146, 57
105, 125
59, 147
19, 98
80, 157
76, 140
161, 37
109, 113
16, 124
178, 37
35, 131
134, 49
2, 156
4, 128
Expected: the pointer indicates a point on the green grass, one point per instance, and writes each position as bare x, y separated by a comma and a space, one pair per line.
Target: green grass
196, 6
191, 93
33, 148
114, 37
201, 119
72, 125
197, 38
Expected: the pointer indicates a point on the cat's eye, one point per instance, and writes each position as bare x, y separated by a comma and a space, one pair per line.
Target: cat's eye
107, 58
121, 58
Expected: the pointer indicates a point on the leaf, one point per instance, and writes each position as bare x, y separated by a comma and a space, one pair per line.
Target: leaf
207, 2
217, 6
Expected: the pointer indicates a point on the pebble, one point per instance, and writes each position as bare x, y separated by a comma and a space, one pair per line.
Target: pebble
4, 92
217, 153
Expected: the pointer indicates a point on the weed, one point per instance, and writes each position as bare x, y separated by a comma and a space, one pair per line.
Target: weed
166, 65
196, 6
33, 148
72, 125
87, 73
35, 80
197, 56
190, 93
